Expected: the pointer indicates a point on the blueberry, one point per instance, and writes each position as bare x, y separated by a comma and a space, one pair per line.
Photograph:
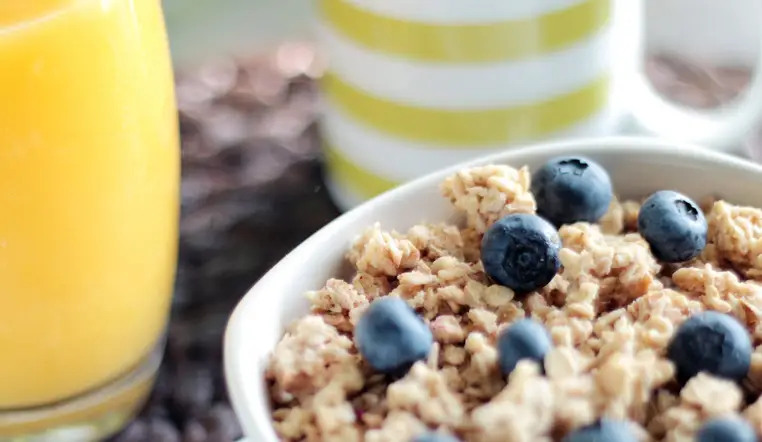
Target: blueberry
520, 251
391, 336
524, 339
726, 429
673, 225
711, 342
604, 430
433, 436
571, 189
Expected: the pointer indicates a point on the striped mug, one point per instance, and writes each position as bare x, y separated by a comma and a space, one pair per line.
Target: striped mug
416, 85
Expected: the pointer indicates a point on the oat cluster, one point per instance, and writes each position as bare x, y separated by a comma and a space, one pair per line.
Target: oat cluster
611, 311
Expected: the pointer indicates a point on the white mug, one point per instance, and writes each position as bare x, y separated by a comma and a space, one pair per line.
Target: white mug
417, 85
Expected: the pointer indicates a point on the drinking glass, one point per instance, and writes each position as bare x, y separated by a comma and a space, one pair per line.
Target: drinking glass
89, 207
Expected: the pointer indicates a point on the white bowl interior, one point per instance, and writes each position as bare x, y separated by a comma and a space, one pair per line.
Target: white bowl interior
637, 167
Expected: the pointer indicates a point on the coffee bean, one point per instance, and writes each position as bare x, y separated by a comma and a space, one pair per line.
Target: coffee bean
222, 424
160, 430
194, 432
137, 431
163, 387
155, 410
194, 390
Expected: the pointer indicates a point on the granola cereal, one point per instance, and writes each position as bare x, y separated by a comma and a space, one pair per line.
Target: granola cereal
611, 312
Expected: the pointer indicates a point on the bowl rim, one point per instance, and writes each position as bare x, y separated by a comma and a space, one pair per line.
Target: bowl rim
234, 339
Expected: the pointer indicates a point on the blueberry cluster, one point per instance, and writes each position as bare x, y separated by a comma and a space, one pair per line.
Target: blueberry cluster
521, 252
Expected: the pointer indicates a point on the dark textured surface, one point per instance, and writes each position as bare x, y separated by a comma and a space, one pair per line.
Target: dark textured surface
251, 192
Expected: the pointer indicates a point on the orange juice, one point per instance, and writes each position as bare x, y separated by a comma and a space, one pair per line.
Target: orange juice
89, 185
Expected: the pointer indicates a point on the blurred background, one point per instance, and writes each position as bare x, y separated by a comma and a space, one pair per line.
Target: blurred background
707, 30
252, 186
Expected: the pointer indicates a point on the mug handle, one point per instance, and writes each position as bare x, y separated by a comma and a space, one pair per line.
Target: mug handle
723, 128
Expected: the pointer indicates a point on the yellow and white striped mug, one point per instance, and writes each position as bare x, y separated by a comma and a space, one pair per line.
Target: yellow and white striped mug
416, 85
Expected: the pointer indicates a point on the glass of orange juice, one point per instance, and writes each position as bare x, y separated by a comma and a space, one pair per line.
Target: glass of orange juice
89, 188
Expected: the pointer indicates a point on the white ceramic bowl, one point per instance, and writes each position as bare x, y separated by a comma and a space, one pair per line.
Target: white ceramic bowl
637, 167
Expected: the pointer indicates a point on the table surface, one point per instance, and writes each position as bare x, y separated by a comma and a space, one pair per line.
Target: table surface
251, 191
